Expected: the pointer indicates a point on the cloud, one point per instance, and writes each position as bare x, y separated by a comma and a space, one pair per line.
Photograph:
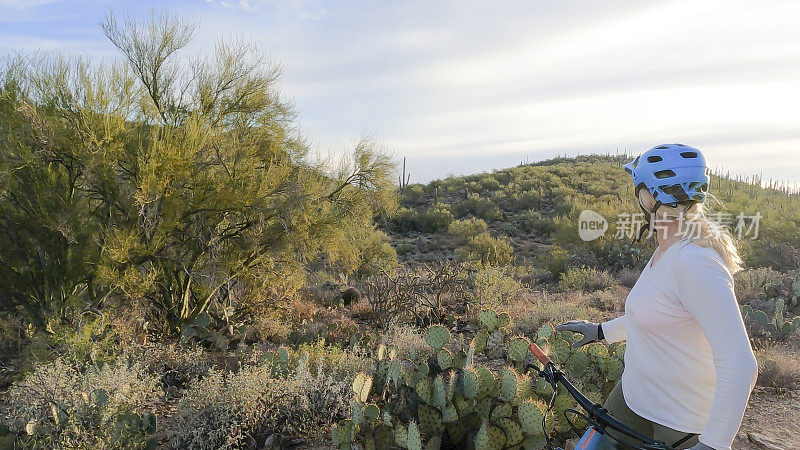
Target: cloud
25, 4
496, 82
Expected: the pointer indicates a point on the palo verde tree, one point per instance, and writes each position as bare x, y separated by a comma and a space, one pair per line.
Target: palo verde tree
173, 185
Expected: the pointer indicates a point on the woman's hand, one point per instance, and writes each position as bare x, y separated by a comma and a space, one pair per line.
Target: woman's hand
591, 331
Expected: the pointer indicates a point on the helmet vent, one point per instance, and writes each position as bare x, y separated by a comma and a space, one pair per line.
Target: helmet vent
628, 170
663, 146
635, 162
654, 158
696, 184
664, 174
671, 189
689, 154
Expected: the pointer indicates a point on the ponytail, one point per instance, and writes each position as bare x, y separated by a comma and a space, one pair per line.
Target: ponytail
704, 232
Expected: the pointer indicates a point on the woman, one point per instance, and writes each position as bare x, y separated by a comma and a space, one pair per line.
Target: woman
689, 367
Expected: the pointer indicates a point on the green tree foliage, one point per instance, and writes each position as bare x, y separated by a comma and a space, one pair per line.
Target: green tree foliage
177, 185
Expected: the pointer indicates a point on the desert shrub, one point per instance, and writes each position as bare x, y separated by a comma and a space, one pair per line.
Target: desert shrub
467, 228
406, 219
751, 282
533, 276
431, 220
533, 222
628, 277
554, 260
419, 293
334, 360
233, 410
509, 230
92, 339
489, 183
59, 405
405, 247
779, 367
267, 328
413, 193
174, 365
493, 287
579, 258
554, 310
374, 254
615, 255
610, 299
436, 218
409, 341
486, 250
477, 206
585, 279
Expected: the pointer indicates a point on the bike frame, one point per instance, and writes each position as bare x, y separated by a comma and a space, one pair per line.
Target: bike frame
598, 416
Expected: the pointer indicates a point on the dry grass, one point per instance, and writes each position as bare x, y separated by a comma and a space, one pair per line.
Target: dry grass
536, 309
779, 367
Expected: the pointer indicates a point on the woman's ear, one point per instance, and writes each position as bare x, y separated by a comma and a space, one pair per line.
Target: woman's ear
646, 199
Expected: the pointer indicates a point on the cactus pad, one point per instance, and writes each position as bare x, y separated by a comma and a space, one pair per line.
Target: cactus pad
518, 349
383, 436
362, 384
470, 382
357, 415
430, 420
480, 340
439, 396
372, 412
434, 443
424, 390
400, 435
545, 331
534, 443
413, 439
513, 431
437, 336
530, 416
444, 358
612, 368
488, 319
508, 384
449, 413
494, 346
486, 381
501, 411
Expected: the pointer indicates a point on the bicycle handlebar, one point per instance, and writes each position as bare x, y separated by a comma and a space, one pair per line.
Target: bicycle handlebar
596, 412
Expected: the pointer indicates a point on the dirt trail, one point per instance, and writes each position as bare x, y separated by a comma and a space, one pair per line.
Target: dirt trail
772, 417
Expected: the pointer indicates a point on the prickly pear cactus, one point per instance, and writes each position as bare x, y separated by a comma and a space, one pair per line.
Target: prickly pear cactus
450, 400
778, 326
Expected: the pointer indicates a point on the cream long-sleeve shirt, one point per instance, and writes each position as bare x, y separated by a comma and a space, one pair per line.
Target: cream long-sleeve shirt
688, 361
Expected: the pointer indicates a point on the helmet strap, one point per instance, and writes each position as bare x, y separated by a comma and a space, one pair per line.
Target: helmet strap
648, 215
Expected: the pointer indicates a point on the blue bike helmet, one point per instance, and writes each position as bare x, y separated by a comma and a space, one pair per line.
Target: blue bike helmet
673, 173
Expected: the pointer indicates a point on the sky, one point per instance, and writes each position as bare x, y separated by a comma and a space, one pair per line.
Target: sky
461, 87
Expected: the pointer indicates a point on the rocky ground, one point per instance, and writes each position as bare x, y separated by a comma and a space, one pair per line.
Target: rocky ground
771, 422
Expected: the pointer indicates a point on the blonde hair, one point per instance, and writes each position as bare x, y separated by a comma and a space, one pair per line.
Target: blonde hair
707, 233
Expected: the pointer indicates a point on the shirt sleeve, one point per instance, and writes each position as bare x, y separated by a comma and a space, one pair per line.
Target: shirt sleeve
615, 330
705, 288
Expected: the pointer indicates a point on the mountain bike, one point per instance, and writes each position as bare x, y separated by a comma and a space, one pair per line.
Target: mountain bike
596, 436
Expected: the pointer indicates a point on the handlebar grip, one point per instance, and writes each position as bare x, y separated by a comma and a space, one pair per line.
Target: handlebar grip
539, 353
